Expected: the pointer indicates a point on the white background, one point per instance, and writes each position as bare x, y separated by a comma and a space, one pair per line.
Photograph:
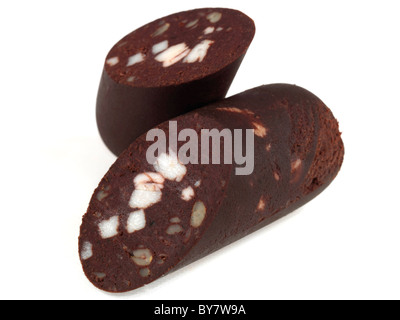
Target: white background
342, 245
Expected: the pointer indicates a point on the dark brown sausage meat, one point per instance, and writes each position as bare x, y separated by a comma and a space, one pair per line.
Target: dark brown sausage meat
167, 68
146, 220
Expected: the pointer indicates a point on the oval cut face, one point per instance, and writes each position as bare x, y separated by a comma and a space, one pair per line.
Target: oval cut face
180, 48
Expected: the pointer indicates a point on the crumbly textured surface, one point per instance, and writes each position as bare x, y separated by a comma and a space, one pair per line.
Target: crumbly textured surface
144, 221
167, 68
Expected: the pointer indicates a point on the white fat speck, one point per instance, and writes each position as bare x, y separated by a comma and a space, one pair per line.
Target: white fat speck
220, 29
161, 30
187, 194
109, 228
209, 30
149, 181
237, 110
214, 17
160, 47
296, 164
175, 220
197, 184
113, 61
147, 191
173, 54
169, 167
259, 130
261, 204
192, 23
101, 195
174, 229
100, 275
143, 199
296, 170
136, 221
137, 58
131, 79
199, 52
87, 251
